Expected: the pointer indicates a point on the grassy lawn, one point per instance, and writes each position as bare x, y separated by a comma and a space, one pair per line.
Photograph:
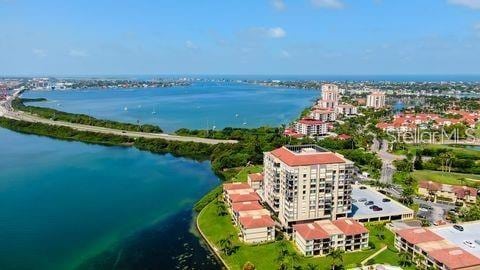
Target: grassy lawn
263, 256
446, 178
240, 174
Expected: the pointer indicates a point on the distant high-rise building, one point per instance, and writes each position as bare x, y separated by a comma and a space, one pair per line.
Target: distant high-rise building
307, 183
330, 92
376, 100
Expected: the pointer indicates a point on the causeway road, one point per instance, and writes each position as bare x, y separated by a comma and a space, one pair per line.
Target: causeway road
7, 111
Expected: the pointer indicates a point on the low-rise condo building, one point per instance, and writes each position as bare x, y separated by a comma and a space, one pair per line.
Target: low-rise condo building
311, 127
449, 193
327, 104
325, 115
346, 109
255, 180
257, 228
307, 183
376, 100
447, 247
248, 214
320, 237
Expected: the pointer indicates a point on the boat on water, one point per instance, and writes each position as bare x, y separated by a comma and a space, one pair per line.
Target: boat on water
125, 109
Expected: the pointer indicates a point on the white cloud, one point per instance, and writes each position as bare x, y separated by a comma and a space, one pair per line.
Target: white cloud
285, 54
278, 4
39, 52
331, 4
190, 45
473, 4
276, 32
77, 53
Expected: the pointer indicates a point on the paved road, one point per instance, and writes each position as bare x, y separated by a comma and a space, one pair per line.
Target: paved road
381, 148
7, 111
438, 210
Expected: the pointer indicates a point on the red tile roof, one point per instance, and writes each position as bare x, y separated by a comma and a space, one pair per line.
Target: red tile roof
256, 177
344, 137
460, 191
310, 231
308, 121
304, 159
418, 235
246, 206
236, 185
455, 258
292, 133
429, 185
250, 197
350, 226
252, 222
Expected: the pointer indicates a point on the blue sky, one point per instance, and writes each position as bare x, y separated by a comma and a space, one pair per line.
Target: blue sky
319, 37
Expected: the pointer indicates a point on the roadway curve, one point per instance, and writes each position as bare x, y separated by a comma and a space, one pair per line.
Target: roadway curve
6, 110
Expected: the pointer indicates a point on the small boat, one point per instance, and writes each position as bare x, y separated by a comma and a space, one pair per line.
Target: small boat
125, 109
236, 115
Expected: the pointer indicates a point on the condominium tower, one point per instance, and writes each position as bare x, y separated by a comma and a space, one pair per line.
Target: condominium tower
307, 183
376, 100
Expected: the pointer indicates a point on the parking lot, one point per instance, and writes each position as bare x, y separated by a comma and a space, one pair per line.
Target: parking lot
470, 233
390, 210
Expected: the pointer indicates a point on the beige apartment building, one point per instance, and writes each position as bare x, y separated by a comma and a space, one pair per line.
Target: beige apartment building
311, 127
376, 100
254, 221
330, 92
319, 237
444, 192
443, 247
325, 115
307, 183
346, 109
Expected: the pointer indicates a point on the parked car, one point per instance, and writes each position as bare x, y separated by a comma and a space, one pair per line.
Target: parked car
363, 187
458, 227
468, 244
426, 206
372, 206
369, 203
376, 209
362, 200
386, 200
477, 242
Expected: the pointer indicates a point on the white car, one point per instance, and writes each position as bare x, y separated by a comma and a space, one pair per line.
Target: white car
468, 244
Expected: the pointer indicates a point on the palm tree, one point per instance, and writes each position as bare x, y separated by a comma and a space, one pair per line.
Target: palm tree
405, 259
248, 266
380, 231
294, 259
311, 266
337, 257
226, 245
417, 259
221, 208
281, 258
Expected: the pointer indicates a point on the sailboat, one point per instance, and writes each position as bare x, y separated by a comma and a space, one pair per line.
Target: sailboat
125, 109
153, 110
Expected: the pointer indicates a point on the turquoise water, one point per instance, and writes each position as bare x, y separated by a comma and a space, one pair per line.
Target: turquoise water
200, 106
64, 203
69, 205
